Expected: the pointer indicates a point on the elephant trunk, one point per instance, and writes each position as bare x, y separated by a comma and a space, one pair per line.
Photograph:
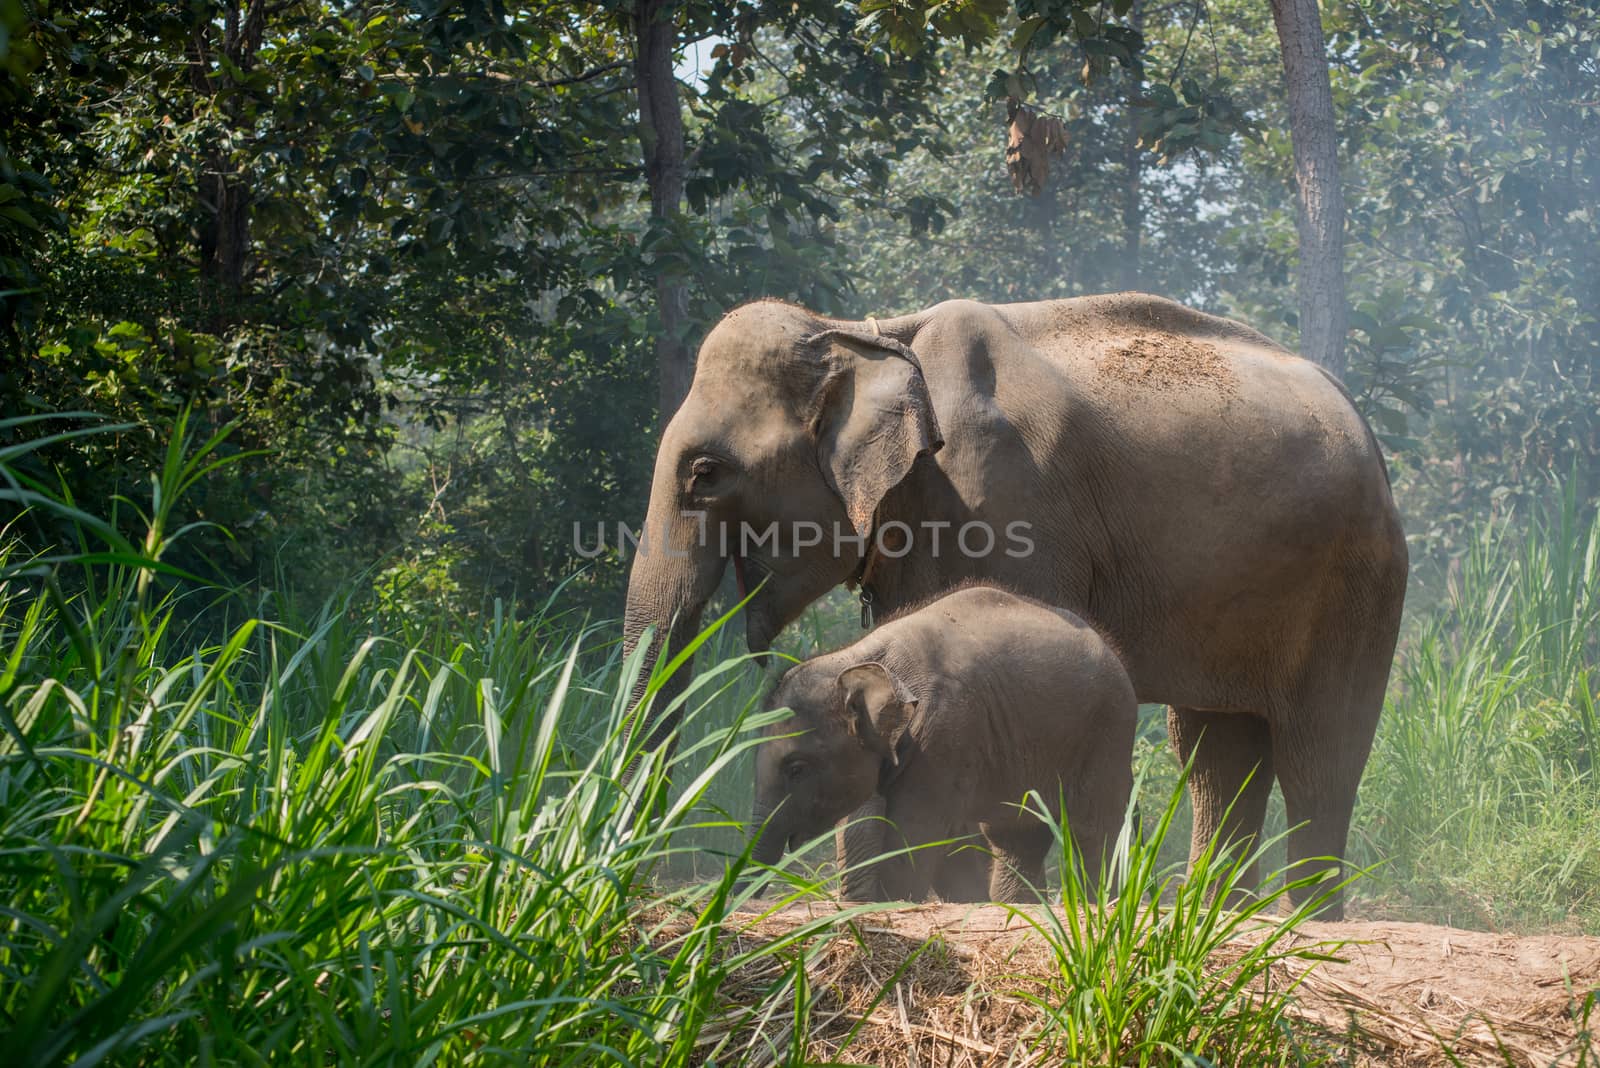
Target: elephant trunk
673, 627
771, 836
675, 571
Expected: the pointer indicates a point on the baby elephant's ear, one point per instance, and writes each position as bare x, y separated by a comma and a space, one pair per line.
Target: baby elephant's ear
877, 707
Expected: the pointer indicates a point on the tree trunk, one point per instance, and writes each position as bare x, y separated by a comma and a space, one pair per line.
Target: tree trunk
661, 136
1133, 174
224, 247
1315, 134
224, 191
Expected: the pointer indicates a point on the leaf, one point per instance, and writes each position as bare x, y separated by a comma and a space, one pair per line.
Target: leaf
18, 215
1392, 420
1360, 320
1032, 138
1023, 37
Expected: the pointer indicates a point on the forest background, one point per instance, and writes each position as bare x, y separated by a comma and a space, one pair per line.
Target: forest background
410, 248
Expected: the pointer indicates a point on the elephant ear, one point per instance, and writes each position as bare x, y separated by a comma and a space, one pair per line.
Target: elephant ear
872, 417
877, 708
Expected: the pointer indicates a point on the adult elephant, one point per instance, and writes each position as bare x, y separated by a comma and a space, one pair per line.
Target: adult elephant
1214, 503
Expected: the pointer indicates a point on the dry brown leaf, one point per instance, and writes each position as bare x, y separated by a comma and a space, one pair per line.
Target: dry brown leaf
1032, 139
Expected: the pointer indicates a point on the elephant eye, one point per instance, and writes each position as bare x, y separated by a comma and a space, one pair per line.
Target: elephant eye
703, 473
795, 769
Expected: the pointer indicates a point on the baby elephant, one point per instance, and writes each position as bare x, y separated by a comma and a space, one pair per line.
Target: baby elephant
950, 713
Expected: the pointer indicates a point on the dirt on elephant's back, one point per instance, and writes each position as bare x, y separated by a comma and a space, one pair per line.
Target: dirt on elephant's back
1398, 994
1168, 361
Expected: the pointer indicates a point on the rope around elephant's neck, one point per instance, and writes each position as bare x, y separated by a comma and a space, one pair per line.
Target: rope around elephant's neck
862, 580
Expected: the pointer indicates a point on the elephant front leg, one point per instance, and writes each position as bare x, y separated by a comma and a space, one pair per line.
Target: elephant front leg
859, 842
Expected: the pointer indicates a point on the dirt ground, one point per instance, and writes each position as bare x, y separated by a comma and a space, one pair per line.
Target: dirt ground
1400, 993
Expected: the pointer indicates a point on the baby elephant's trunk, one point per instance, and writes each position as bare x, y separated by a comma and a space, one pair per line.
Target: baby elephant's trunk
771, 837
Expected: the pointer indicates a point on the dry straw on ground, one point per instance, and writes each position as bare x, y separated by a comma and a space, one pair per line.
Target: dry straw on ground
941, 986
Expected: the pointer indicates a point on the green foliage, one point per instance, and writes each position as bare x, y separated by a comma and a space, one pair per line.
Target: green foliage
1473, 135
1392, 382
1485, 776
316, 842
345, 230
1177, 116
1108, 219
28, 215
914, 26
1191, 118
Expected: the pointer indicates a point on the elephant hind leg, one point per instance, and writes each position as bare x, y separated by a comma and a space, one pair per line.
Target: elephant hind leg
1320, 767
1321, 752
1017, 872
1230, 778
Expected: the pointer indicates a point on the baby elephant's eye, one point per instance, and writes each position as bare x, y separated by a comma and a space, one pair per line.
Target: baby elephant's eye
795, 769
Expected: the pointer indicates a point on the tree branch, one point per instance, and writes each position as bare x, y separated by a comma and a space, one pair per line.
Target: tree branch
588, 75
557, 172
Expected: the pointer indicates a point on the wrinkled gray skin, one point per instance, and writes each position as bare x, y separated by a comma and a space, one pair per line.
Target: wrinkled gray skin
1214, 504
951, 714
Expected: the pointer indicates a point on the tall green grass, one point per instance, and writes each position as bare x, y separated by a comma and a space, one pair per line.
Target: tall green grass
1481, 803
1139, 976
314, 844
